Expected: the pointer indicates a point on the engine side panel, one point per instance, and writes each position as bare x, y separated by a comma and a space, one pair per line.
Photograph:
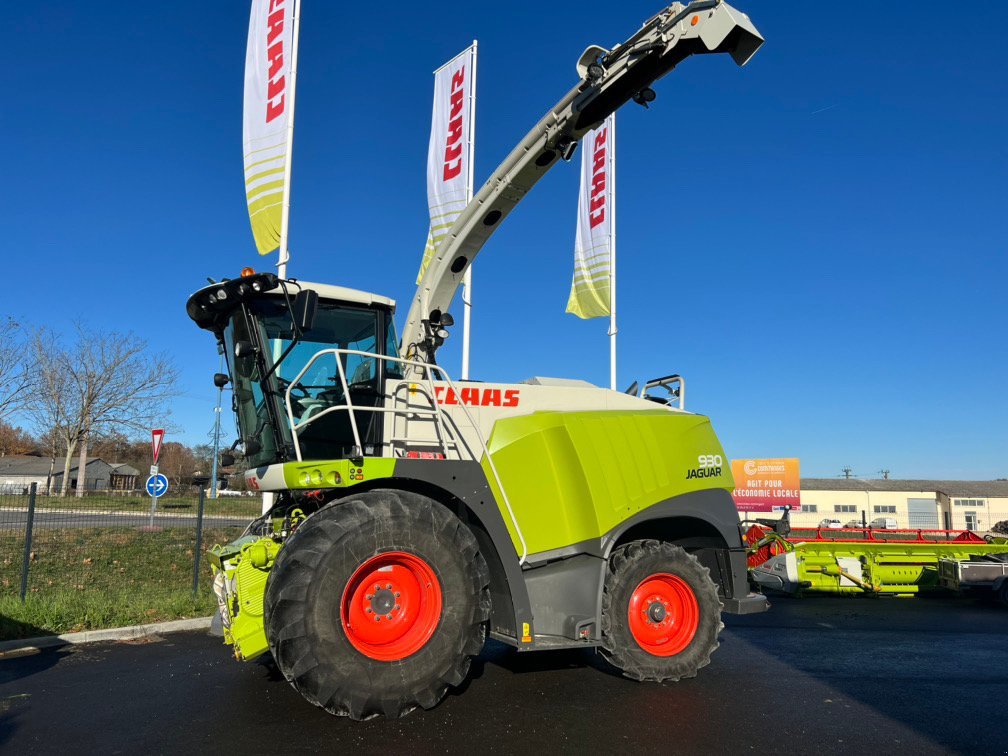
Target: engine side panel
572, 477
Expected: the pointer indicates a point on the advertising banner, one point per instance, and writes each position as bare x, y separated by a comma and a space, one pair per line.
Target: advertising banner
593, 243
449, 154
763, 485
267, 111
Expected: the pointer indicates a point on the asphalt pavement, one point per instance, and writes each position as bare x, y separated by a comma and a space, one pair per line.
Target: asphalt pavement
818, 675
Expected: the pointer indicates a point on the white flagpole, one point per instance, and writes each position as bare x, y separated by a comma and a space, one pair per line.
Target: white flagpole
612, 257
467, 279
284, 255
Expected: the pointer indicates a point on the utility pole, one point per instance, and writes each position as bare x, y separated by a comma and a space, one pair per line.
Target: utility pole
848, 472
216, 434
884, 474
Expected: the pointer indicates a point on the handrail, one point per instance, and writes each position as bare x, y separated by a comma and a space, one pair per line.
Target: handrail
427, 369
664, 383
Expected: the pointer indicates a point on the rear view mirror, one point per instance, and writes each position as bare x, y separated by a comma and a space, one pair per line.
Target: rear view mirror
220, 380
305, 306
227, 459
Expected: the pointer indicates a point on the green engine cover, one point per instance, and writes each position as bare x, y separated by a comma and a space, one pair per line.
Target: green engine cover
574, 476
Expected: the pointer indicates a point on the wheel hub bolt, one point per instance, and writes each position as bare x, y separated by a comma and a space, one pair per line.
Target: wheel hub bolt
656, 612
382, 602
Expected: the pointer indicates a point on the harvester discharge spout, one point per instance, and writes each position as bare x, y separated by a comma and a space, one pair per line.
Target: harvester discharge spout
609, 79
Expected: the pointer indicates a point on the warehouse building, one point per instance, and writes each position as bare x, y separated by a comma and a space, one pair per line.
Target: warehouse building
975, 505
18, 472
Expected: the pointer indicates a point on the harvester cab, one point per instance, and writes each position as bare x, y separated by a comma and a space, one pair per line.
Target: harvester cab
278, 335
414, 515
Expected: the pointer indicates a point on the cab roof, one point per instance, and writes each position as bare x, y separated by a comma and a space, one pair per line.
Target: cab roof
211, 306
343, 294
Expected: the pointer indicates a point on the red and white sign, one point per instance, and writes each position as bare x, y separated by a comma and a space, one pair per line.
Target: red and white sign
157, 436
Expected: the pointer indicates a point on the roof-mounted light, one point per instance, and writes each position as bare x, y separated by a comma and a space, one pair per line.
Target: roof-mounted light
247, 271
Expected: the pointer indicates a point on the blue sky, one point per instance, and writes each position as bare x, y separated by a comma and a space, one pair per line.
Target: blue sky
816, 241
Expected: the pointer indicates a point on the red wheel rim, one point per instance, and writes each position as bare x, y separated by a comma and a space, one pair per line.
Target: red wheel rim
663, 614
391, 606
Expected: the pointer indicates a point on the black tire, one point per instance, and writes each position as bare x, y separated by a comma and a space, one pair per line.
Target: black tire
1002, 592
629, 566
304, 595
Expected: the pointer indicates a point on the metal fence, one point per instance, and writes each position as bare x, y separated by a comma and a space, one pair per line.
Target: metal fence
113, 545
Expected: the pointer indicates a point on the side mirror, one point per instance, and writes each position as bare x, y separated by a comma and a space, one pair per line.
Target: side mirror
220, 380
447, 321
226, 459
305, 306
252, 447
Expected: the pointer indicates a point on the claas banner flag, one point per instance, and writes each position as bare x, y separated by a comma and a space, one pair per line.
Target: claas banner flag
593, 243
267, 111
763, 485
449, 154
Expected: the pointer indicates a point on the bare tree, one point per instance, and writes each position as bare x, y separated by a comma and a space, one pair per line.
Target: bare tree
178, 463
51, 397
109, 382
15, 372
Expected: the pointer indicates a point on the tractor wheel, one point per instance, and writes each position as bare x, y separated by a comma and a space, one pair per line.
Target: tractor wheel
660, 612
1002, 593
376, 604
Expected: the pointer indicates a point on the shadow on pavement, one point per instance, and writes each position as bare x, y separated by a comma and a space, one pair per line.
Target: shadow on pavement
13, 705
509, 658
934, 664
12, 670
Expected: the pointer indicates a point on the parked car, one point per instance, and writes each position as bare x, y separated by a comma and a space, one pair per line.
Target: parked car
853, 524
831, 523
883, 523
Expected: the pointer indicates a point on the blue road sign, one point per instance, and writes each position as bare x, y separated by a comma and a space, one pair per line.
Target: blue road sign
157, 485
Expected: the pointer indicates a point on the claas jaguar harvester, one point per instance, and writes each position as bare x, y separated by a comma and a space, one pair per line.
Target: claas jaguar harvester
415, 516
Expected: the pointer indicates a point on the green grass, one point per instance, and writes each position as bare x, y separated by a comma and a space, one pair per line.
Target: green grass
91, 578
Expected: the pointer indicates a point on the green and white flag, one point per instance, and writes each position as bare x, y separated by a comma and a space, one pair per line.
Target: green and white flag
594, 247
267, 113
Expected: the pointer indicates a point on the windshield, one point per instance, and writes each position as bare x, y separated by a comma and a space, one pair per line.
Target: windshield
336, 326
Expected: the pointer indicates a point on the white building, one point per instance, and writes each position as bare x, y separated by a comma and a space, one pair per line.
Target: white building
934, 504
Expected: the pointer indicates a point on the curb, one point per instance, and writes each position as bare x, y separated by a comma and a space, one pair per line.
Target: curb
112, 634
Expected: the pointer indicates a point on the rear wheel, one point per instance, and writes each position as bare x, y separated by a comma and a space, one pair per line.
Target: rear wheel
376, 604
661, 615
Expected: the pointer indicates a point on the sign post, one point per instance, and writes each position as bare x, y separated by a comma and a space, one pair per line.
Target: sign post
766, 485
157, 484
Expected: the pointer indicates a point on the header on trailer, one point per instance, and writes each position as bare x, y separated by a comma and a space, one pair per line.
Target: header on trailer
609, 79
